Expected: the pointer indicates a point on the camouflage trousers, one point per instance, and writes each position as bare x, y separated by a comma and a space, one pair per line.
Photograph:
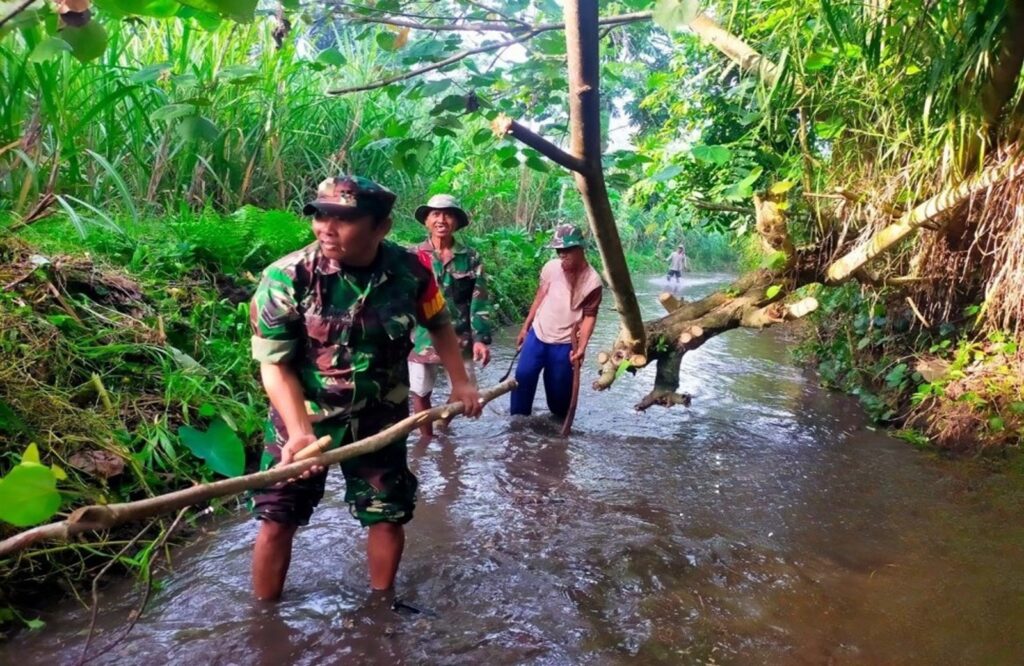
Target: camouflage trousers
379, 488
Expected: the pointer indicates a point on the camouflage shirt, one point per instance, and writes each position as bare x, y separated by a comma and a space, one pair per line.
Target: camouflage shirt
465, 291
345, 332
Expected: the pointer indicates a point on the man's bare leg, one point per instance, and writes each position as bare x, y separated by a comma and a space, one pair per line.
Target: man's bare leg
422, 404
384, 547
271, 556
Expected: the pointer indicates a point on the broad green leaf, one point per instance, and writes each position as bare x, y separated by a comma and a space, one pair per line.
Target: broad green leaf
818, 60
239, 74
667, 173
48, 49
149, 73
773, 291
674, 14
829, 129
87, 42
197, 128
219, 446
332, 57
35, 624
537, 164
172, 112
719, 155
621, 370
431, 88
238, 10
28, 495
481, 136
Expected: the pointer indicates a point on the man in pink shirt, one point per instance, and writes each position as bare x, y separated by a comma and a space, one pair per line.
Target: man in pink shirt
566, 303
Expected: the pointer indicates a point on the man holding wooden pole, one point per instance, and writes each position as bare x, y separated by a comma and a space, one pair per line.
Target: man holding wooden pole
331, 330
555, 334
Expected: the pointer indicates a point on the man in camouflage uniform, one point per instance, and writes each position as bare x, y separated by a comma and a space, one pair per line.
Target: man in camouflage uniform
461, 276
331, 330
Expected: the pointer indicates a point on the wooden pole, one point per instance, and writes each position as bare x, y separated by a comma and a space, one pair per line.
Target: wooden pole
101, 517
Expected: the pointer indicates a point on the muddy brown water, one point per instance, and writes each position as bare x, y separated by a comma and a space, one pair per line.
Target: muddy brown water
768, 523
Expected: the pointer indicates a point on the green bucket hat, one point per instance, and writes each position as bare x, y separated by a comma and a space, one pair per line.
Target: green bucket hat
443, 202
345, 196
566, 235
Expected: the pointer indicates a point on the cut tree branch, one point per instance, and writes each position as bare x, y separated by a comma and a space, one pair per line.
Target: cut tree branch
505, 126
102, 517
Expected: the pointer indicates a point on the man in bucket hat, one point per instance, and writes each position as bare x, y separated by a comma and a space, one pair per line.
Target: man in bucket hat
460, 274
331, 329
567, 301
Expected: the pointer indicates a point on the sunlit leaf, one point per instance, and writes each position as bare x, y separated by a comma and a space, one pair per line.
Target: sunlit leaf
773, 291
31, 454
719, 155
782, 187
28, 495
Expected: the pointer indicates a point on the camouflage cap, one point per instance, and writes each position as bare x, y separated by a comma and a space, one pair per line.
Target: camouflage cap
443, 202
347, 195
566, 235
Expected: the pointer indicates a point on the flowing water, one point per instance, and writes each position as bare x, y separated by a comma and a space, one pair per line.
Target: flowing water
768, 523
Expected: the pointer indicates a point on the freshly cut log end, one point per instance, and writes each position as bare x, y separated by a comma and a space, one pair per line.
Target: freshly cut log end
501, 125
696, 331
685, 338
638, 360
602, 358
801, 308
670, 302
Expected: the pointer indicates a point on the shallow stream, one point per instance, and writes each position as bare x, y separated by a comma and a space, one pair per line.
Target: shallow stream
768, 523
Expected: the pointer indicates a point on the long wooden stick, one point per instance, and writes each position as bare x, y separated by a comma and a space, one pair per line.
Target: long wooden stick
577, 368
101, 517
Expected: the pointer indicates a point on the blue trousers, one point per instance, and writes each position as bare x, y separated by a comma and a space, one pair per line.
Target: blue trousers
553, 360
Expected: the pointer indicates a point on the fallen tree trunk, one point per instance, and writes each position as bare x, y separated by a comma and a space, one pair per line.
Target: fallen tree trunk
99, 517
918, 216
755, 300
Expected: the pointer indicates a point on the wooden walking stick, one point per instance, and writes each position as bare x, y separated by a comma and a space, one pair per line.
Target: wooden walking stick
577, 367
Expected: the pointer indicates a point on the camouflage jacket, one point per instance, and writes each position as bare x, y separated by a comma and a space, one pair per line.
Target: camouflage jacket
345, 332
465, 290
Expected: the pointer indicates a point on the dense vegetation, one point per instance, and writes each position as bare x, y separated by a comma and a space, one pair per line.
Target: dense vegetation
151, 153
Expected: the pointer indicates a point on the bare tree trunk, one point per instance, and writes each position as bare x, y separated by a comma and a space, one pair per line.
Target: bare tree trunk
582, 43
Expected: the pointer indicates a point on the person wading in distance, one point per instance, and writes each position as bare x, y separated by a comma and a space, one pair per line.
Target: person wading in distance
461, 276
331, 331
567, 300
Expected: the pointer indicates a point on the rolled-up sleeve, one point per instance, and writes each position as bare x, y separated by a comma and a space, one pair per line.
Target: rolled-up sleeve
275, 318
